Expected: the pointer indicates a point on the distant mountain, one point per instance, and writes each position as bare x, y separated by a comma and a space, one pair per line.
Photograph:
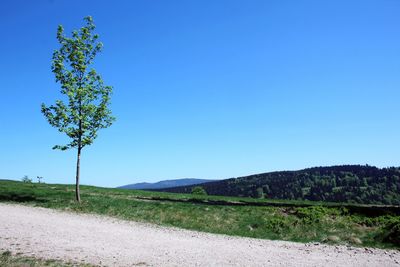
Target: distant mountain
166, 184
346, 183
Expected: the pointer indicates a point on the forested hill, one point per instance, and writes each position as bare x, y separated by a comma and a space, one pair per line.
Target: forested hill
347, 183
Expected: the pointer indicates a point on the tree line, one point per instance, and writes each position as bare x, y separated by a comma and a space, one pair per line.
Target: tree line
361, 184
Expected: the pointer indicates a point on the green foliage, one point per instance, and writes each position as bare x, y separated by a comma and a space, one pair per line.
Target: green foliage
86, 110
259, 192
316, 214
283, 220
198, 190
26, 179
278, 225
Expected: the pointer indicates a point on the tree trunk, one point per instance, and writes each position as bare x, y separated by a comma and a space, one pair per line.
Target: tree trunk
78, 161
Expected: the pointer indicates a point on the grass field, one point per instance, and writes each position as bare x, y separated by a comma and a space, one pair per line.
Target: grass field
334, 223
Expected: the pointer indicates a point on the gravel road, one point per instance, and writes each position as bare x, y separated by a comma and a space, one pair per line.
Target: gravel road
105, 241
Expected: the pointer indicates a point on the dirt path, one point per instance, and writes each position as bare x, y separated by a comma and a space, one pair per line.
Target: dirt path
100, 240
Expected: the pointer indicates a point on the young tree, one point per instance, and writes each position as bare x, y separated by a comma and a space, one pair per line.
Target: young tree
259, 192
86, 109
39, 179
26, 179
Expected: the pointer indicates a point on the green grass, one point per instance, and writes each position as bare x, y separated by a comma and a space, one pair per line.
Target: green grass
9, 260
301, 221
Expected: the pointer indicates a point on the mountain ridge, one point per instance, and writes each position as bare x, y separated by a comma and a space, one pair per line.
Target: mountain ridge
164, 184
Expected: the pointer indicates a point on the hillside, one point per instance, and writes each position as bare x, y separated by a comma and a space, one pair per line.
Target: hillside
291, 220
347, 183
166, 184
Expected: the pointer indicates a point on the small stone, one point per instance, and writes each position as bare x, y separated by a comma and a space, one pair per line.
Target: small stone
355, 240
333, 238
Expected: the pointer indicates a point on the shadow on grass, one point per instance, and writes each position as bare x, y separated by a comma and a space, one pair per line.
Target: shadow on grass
21, 197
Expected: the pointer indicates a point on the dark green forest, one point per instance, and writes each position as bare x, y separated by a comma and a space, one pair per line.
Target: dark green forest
362, 184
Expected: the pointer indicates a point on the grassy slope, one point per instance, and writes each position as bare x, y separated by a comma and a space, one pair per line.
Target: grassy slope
285, 220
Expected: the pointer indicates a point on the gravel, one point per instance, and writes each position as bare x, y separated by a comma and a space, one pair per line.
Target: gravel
105, 241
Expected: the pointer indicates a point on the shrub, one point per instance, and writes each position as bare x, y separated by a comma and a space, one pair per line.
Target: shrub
198, 190
315, 214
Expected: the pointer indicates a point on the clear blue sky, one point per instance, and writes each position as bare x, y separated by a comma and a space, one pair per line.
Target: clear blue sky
208, 89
